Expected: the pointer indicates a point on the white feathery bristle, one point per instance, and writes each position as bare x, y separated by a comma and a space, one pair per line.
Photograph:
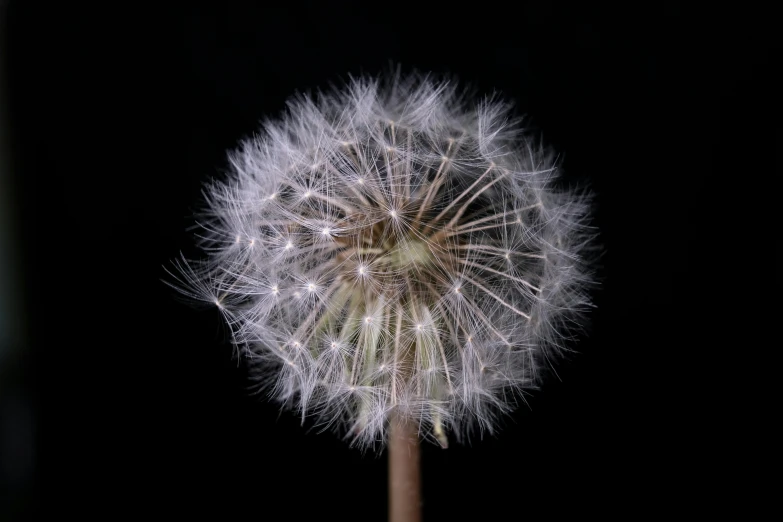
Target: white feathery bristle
387, 247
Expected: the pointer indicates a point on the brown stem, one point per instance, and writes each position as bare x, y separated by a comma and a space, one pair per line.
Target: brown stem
404, 471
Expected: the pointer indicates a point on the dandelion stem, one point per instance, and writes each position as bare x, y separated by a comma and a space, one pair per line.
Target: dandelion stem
404, 470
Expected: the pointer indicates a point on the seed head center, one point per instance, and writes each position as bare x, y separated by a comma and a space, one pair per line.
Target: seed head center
414, 252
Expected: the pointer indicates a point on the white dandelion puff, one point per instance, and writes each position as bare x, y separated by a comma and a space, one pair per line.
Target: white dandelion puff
390, 248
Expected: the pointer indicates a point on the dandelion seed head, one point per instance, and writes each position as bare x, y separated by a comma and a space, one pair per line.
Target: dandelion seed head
479, 258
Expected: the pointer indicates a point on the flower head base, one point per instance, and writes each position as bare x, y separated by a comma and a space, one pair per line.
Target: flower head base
387, 248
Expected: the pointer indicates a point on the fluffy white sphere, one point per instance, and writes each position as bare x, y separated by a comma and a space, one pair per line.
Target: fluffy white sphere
388, 247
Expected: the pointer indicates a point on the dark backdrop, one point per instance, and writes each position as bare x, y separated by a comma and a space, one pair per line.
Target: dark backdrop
117, 115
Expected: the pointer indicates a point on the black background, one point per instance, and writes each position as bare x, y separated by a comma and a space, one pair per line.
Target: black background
117, 117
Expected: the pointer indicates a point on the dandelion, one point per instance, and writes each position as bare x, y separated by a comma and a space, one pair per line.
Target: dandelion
389, 255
